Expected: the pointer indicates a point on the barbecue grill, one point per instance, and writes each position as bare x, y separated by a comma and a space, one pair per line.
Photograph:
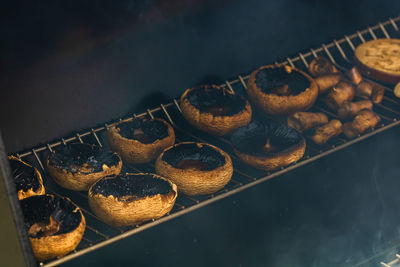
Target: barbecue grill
98, 234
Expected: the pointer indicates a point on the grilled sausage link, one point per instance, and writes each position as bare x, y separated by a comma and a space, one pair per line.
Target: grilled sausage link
303, 121
365, 119
342, 92
327, 131
348, 110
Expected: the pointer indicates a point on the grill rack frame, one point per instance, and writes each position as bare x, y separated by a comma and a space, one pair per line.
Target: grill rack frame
334, 51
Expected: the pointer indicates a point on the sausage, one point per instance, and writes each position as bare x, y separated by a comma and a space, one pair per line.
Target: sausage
320, 66
340, 93
327, 131
348, 110
365, 119
303, 121
327, 81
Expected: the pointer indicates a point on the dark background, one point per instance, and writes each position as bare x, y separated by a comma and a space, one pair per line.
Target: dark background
69, 65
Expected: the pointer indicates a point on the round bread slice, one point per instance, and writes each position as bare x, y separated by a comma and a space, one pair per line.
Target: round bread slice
379, 59
131, 199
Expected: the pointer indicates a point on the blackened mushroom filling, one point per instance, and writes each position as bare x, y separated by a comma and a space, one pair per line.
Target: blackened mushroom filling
279, 81
25, 177
132, 186
265, 139
145, 131
75, 156
191, 156
49, 215
217, 101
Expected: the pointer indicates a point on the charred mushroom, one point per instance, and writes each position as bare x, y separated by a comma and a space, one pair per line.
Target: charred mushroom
320, 66
140, 140
377, 94
348, 110
280, 89
324, 133
354, 75
340, 93
327, 81
131, 199
214, 109
365, 120
54, 224
268, 145
379, 59
196, 168
304, 121
28, 180
77, 166
364, 89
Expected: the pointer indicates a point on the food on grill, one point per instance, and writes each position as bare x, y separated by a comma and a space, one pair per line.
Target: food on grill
196, 168
348, 110
268, 145
280, 89
324, 133
320, 66
54, 224
364, 89
28, 180
365, 120
377, 94
140, 140
77, 166
397, 90
131, 199
214, 109
340, 93
379, 59
304, 121
327, 81
354, 75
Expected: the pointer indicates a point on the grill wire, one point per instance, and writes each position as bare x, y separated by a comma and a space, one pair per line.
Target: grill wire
340, 52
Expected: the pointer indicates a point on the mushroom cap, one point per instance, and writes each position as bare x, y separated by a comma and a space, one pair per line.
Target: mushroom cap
157, 133
196, 168
268, 145
70, 220
303, 90
28, 180
77, 166
130, 199
214, 109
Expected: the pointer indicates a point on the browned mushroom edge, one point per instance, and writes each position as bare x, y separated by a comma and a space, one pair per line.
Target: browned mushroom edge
130, 199
268, 145
77, 166
55, 225
28, 180
196, 168
281, 89
140, 140
214, 109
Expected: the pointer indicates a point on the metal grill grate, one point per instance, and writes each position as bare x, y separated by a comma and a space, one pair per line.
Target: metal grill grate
98, 234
